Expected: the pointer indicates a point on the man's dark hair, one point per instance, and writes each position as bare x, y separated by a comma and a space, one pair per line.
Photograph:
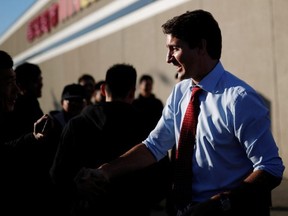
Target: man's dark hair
145, 77
6, 61
86, 77
192, 27
120, 79
27, 73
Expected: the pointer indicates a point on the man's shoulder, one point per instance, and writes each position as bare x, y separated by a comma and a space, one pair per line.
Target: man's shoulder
158, 100
91, 116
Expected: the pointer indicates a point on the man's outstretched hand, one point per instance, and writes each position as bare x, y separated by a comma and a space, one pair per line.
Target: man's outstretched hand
91, 182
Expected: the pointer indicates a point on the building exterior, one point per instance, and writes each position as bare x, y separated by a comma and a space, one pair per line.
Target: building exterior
68, 38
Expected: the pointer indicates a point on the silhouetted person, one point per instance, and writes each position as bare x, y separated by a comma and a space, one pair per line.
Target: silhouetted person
147, 103
15, 193
88, 82
27, 108
73, 100
101, 133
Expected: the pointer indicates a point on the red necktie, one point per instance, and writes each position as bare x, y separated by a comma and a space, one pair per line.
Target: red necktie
183, 169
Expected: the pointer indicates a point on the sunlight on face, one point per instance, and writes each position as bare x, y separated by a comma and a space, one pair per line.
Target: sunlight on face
182, 56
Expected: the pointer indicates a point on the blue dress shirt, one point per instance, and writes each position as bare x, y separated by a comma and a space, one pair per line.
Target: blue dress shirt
233, 133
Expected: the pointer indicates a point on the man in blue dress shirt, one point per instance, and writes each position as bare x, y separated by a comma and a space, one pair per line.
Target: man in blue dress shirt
236, 162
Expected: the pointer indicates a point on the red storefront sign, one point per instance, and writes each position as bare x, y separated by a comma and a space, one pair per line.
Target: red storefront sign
50, 18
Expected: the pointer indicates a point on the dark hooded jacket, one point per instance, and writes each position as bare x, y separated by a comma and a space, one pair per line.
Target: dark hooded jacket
100, 134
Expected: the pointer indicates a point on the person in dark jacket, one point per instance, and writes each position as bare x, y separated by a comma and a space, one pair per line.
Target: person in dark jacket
147, 103
101, 133
13, 202
30, 161
73, 100
27, 108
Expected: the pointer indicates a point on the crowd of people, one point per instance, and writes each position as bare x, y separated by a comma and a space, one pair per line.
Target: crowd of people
111, 109
107, 152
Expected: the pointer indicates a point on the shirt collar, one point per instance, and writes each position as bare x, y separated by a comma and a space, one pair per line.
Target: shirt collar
209, 82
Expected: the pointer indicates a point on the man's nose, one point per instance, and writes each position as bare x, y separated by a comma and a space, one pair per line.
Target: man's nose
168, 57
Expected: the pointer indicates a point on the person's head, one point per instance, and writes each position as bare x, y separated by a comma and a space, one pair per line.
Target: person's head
73, 99
194, 43
120, 83
29, 79
88, 82
146, 85
98, 95
8, 87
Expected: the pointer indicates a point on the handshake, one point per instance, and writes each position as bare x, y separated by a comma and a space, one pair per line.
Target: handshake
91, 182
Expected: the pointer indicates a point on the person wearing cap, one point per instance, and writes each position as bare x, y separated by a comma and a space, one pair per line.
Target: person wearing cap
73, 101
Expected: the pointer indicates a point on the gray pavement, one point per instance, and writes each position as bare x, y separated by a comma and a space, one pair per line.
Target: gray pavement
279, 201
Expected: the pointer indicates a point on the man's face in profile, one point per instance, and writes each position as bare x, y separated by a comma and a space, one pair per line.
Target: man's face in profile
8, 90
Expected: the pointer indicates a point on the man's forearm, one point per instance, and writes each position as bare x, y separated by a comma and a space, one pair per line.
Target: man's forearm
136, 158
263, 179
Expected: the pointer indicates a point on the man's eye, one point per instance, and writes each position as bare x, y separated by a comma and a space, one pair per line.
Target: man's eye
175, 48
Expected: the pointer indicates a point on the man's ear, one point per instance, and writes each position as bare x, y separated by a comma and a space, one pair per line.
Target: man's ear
130, 96
102, 88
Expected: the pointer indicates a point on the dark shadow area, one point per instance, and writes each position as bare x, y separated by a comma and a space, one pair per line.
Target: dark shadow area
279, 208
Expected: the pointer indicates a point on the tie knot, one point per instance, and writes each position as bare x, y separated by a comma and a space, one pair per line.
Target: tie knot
196, 90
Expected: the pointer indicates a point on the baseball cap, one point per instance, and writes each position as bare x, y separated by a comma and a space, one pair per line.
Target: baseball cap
73, 91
